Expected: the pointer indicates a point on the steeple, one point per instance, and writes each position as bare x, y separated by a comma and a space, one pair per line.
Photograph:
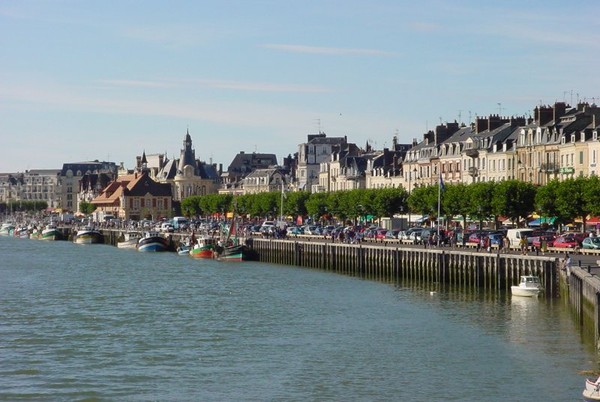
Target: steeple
187, 156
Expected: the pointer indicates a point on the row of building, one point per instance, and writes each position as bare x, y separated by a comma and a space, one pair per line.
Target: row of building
558, 142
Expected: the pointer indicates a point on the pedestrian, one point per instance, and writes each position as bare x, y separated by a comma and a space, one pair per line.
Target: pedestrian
523, 245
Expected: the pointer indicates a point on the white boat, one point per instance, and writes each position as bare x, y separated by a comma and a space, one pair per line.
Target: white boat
592, 390
51, 232
7, 229
529, 286
130, 240
88, 235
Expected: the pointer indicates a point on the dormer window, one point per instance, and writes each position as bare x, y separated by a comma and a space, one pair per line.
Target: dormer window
595, 136
572, 138
562, 140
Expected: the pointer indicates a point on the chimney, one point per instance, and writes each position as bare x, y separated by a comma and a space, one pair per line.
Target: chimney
559, 110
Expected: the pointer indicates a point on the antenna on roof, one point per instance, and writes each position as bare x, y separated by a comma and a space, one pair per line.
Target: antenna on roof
459, 116
499, 108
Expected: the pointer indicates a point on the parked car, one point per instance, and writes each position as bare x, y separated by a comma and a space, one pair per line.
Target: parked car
591, 243
392, 234
380, 233
567, 241
537, 241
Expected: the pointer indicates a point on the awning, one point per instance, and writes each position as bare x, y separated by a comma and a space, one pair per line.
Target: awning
422, 219
593, 220
541, 220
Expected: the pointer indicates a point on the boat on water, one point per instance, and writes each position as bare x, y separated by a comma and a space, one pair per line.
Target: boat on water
183, 249
129, 240
88, 235
7, 229
530, 286
592, 390
22, 232
232, 249
50, 232
152, 241
205, 247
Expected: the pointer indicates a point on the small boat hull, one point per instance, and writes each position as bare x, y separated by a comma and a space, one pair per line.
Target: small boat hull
154, 243
88, 237
204, 248
529, 286
51, 234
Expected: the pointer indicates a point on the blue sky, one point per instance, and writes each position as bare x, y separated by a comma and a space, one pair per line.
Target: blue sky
85, 80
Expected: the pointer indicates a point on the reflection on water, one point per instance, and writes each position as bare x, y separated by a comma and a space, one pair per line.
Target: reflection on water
99, 322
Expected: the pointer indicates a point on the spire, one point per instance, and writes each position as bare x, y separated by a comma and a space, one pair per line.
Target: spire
144, 160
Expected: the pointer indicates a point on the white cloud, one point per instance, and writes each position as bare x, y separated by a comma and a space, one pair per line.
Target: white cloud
327, 50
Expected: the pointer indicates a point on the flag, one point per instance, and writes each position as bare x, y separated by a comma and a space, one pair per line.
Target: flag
442, 186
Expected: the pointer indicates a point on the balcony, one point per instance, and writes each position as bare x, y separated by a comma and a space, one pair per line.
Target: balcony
472, 152
473, 171
549, 168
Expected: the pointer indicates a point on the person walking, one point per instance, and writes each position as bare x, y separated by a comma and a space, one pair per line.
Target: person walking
523, 245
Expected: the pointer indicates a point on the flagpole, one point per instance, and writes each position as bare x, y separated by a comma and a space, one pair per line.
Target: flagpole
439, 208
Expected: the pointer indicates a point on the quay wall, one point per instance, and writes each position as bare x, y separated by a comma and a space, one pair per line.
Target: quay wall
434, 266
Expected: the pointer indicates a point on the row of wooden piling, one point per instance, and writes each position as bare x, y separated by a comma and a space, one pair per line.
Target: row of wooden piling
440, 266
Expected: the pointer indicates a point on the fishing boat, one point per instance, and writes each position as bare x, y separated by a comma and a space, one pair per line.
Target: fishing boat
129, 240
22, 232
7, 229
51, 232
232, 249
529, 286
88, 235
152, 241
592, 390
204, 247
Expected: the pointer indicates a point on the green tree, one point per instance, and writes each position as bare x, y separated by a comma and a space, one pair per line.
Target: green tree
424, 200
570, 201
190, 206
545, 200
514, 199
86, 207
481, 196
456, 202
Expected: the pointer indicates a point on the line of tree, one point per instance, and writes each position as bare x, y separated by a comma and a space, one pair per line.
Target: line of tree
23, 206
512, 199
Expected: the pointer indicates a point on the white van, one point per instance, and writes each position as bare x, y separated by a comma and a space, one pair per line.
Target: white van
515, 236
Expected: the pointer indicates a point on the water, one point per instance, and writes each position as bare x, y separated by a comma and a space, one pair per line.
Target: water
93, 322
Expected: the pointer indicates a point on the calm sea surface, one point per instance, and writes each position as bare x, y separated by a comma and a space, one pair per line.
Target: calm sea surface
93, 322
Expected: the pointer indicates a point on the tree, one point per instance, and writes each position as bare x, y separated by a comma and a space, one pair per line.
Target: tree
190, 206
481, 195
514, 199
424, 200
456, 202
570, 202
86, 207
389, 201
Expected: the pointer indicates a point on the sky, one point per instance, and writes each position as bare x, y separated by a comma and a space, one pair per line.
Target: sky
107, 80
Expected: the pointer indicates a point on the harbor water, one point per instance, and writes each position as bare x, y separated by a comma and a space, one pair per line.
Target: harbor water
93, 322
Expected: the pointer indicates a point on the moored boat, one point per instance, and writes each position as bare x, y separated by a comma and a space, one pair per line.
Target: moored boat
204, 247
7, 229
129, 240
152, 241
88, 235
51, 232
529, 286
22, 232
592, 390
